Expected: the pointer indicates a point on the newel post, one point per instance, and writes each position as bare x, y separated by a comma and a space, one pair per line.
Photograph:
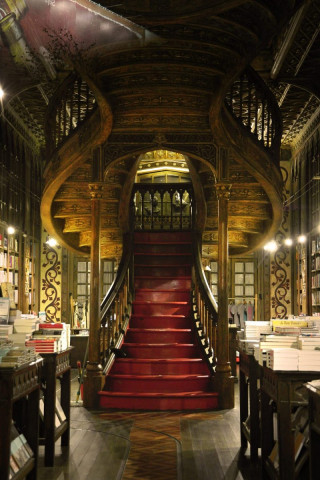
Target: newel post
93, 378
223, 381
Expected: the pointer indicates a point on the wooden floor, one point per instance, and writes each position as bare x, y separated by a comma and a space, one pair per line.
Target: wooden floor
151, 446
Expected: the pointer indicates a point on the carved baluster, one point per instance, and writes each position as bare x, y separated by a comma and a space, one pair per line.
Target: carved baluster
256, 114
142, 209
249, 104
240, 97
121, 313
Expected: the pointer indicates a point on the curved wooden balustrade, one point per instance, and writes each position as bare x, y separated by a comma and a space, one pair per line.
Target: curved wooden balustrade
205, 307
116, 306
70, 107
253, 105
159, 206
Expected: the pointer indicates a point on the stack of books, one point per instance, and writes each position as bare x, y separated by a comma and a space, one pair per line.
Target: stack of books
20, 451
282, 358
309, 342
309, 360
50, 338
17, 356
5, 331
253, 329
26, 323
269, 342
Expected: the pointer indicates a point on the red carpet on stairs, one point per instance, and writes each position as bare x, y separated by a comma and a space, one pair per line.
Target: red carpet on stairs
164, 368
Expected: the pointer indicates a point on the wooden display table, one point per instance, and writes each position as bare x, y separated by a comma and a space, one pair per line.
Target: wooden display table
314, 427
56, 366
284, 389
233, 347
249, 403
19, 401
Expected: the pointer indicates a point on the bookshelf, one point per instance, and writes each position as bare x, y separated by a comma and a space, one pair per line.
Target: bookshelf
314, 427
19, 270
315, 274
20, 393
281, 396
56, 367
249, 383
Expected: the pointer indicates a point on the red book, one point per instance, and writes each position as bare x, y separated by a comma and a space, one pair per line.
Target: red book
50, 325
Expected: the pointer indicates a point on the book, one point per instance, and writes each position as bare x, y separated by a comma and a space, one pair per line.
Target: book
59, 411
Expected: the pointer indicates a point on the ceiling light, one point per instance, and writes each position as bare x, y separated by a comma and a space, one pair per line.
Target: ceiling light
52, 242
288, 242
271, 246
302, 239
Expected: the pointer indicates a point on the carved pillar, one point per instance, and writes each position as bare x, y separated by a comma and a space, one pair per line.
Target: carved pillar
223, 381
93, 379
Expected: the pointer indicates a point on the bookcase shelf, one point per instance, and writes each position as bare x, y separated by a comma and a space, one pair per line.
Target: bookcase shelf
249, 403
314, 427
56, 366
280, 393
19, 270
20, 393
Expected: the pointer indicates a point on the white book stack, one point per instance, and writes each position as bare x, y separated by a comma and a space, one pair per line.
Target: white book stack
274, 341
5, 331
253, 329
247, 346
26, 324
309, 342
309, 360
283, 359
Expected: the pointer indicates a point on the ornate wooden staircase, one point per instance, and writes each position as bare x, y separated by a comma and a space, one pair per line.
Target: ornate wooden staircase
163, 368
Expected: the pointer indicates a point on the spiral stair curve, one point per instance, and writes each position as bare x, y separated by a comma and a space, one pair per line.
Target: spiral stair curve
189, 90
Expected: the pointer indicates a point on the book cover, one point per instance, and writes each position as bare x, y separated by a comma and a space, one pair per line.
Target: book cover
59, 411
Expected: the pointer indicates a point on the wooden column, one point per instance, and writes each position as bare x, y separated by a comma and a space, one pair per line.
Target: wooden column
223, 381
93, 378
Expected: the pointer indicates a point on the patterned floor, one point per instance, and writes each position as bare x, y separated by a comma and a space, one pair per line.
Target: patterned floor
118, 445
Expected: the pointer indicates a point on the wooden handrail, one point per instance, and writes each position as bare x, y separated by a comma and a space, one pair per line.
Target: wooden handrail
115, 308
205, 307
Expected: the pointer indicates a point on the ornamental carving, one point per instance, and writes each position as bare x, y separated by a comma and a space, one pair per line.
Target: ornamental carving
51, 281
223, 190
95, 189
280, 261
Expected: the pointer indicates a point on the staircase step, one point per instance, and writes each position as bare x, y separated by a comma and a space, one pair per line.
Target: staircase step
155, 366
163, 247
156, 237
161, 350
160, 321
156, 383
159, 401
157, 335
164, 367
162, 283
161, 308
144, 294
162, 270
162, 259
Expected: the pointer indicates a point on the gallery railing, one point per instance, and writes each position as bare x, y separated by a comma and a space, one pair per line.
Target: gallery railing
71, 105
168, 206
252, 103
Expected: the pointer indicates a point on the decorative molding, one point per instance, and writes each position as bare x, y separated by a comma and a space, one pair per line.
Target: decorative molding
280, 261
50, 298
223, 190
96, 190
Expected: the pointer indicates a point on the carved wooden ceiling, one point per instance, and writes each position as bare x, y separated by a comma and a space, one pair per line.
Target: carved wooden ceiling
159, 64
